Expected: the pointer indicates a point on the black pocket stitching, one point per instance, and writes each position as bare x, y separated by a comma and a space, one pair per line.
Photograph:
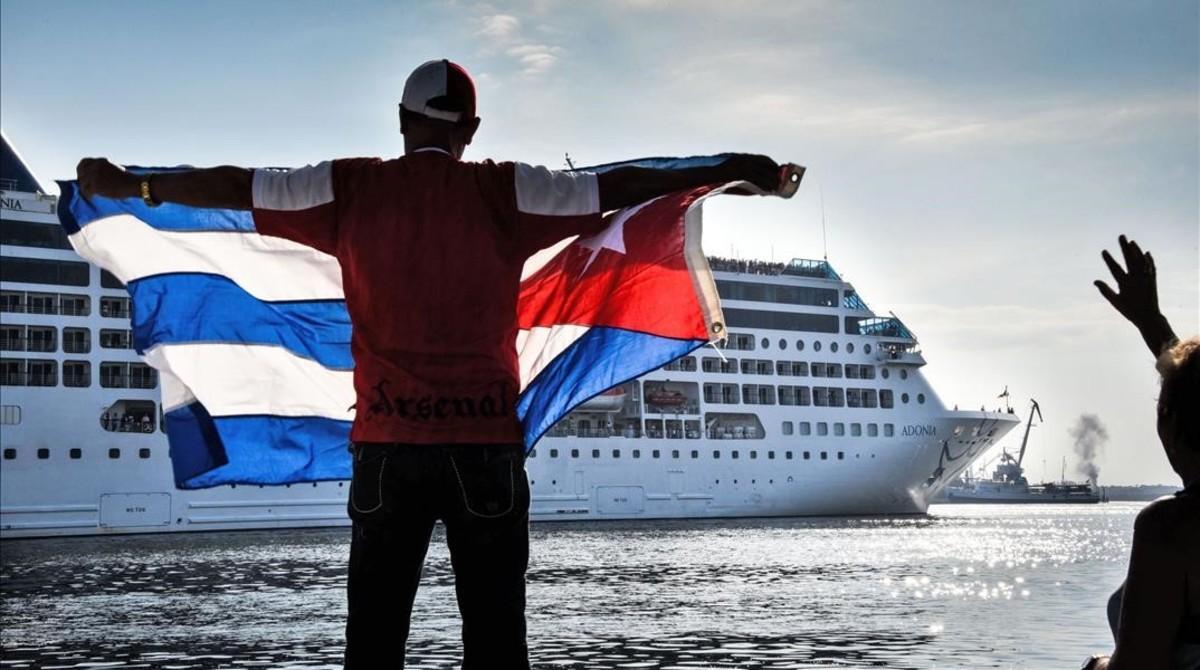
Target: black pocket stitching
512, 492
379, 492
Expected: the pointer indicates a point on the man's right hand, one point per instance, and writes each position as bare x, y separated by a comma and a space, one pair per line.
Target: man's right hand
97, 176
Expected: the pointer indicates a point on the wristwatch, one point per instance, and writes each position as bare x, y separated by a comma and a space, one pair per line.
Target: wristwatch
145, 191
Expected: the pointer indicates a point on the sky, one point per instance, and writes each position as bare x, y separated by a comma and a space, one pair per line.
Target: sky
969, 159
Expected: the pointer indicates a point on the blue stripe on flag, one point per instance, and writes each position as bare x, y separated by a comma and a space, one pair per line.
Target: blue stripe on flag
75, 211
599, 360
256, 449
194, 307
661, 163
195, 445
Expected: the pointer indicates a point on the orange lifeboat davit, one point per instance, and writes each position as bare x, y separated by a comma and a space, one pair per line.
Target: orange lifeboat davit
611, 400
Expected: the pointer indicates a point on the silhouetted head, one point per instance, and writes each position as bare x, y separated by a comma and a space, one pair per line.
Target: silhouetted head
438, 108
1179, 408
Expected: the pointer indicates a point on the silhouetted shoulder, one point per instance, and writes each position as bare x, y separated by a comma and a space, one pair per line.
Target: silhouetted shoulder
1172, 520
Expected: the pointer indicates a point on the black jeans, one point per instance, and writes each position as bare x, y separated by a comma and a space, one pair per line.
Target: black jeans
481, 495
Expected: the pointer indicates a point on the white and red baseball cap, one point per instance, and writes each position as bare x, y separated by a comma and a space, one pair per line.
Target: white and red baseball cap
440, 90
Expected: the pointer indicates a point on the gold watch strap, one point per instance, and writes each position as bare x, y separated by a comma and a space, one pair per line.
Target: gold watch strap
145, 190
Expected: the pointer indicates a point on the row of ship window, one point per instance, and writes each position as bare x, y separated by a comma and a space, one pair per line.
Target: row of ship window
66, 304
677, 454
74, 453
48, 271
803, 396
747, 342
126, 415
753, 366
76, 374
75, 340
716, 426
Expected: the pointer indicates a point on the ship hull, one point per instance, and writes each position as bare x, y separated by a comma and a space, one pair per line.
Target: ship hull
856, 477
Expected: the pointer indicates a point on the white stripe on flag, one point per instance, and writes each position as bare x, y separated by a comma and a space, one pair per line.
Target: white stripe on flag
238, 379
269, 268
175, 393
538, 347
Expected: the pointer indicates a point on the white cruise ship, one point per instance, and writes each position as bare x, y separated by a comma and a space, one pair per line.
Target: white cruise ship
814, 406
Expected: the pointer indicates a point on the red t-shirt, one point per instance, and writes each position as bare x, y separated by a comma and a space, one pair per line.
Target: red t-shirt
431, 250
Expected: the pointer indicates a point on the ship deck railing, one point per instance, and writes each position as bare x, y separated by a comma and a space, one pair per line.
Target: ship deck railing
797, 267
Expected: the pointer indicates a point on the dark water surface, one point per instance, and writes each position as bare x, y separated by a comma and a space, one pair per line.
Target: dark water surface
966, 587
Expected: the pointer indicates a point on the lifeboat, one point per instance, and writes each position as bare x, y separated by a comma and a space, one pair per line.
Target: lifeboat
611, 400
664, 398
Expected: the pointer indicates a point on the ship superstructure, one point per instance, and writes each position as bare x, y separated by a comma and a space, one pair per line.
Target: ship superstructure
814, 405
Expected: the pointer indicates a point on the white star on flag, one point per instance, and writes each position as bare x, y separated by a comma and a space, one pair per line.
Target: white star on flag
612, 237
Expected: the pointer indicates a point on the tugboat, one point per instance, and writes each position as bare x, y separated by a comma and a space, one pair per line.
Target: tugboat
1009, 485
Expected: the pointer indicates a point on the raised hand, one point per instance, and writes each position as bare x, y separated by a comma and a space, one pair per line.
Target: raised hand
1136, 297
97, 176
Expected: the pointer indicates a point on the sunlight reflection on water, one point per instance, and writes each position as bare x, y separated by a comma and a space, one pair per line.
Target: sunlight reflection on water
966, 587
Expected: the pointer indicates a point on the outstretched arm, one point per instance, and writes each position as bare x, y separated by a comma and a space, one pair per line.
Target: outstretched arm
628, 186
1136, 297
225, 187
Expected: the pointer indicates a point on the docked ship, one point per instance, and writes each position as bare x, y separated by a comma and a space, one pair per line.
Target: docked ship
813, 405
1008, 484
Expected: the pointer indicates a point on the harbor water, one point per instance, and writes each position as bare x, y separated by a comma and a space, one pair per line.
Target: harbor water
964, 587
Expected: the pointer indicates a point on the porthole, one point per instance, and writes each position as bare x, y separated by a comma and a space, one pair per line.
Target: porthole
554, 453
849, 347
903, 373
144, 452
782, 343
114, 453
595, 453
816, 345
833, 346
766, 344
904, 397
867, 348
921, 398
799, 345
885, 373
75, 453
43, 453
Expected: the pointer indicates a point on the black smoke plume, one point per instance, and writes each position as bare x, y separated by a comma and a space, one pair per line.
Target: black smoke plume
1090, 436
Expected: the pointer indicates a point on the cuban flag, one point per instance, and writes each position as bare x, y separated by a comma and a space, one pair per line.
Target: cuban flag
251, 337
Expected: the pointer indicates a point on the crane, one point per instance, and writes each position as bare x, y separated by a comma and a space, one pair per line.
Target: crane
1033, 407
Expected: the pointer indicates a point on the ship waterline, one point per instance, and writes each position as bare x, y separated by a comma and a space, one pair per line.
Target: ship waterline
814, 405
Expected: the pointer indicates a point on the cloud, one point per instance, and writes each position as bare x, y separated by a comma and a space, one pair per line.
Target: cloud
498, 27
504, 32
535, 59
